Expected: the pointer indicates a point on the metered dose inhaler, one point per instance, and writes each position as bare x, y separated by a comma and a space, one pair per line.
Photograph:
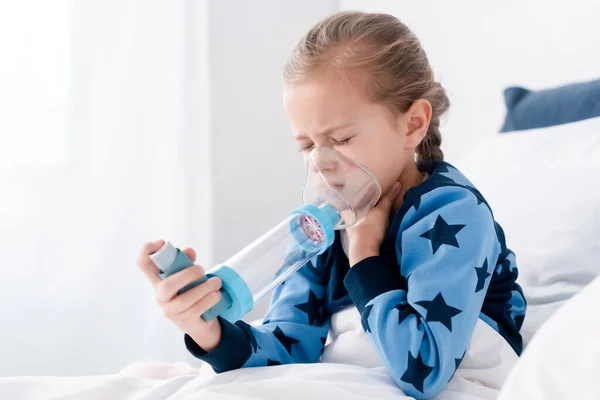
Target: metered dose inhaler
338, 193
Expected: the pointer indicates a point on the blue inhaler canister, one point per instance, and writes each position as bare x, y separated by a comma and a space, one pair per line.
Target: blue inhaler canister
338, 193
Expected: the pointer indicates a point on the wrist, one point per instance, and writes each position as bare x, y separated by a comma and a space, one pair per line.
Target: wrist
208, 339
358, 254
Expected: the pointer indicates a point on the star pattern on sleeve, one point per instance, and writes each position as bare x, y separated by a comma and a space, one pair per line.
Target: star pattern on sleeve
477, 194
286, 341
457, 361
439, 311
312, 308
403, 311
251, 338
365, 318
253, 342
272, 362
482, 275
416, 371
417, 203
442, 234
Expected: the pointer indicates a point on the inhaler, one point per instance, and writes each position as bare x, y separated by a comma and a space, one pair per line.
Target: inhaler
338, 193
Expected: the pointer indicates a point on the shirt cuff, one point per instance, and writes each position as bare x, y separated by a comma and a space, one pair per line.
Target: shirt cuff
231, 353
368, 279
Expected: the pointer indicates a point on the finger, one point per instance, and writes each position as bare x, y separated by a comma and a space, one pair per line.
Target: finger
202, 306
145, 264
167, 289
182, 302
190, 253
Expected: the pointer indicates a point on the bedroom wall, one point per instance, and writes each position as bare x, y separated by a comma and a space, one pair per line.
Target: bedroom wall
477, 48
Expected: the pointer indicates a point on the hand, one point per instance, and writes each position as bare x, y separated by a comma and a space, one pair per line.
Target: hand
185, 309
365, 238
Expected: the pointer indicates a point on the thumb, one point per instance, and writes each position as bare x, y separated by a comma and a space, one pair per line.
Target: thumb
388, 199
190, 253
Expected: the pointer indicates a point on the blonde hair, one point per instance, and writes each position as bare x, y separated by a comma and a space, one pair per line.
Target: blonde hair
399, 71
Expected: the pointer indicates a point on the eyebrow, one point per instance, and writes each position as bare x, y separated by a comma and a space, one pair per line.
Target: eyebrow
326, 132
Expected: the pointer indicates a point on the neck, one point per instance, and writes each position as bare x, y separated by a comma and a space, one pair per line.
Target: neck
410, 178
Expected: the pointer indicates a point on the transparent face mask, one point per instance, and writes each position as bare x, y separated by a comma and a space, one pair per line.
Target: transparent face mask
334, 179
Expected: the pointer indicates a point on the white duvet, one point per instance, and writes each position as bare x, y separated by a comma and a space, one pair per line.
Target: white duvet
350, 369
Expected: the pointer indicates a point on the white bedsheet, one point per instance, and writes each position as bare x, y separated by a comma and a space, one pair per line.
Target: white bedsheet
299, 381
349, 369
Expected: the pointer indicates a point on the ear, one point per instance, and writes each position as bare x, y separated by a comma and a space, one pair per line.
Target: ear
416, 122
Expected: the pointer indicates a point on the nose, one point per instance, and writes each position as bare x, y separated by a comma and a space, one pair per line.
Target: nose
324, 161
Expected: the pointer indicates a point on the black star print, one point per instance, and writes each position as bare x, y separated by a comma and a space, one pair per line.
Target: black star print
403, 311
439, 311
477, 194
482, 275
253, 341
266, 321
417, 204
442, 233
365, 318
457, 361
416, 371
312, 308
272, 362
248, 330
286, 341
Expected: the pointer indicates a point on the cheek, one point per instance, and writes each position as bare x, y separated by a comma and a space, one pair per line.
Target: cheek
383, 156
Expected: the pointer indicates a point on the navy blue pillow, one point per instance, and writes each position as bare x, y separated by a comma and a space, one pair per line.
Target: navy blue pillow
537, 109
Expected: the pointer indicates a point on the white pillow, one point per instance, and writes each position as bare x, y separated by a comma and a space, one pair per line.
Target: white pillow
544, 188
561, 362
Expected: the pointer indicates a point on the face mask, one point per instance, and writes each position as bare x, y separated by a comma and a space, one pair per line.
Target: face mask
334, 180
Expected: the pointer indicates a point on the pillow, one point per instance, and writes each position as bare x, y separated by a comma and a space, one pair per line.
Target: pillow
529, 109
561, 362
544, 190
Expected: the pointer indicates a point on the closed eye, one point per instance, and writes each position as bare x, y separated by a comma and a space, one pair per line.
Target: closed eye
341, 142
305, 148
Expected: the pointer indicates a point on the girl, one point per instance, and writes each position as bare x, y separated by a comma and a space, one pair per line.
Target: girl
425, 266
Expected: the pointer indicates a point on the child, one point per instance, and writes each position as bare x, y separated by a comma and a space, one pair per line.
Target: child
428, 262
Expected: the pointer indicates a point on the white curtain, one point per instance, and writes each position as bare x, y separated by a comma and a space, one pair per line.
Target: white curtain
79, 196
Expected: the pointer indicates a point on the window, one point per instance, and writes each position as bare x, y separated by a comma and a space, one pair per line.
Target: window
34, 81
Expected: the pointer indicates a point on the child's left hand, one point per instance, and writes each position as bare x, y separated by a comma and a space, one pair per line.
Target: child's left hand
366, 237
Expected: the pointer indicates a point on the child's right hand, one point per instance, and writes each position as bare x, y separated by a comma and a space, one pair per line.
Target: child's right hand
185, 309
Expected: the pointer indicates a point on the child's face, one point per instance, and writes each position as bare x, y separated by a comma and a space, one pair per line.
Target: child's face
334, 114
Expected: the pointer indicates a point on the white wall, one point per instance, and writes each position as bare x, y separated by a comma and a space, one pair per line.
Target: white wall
477, 48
